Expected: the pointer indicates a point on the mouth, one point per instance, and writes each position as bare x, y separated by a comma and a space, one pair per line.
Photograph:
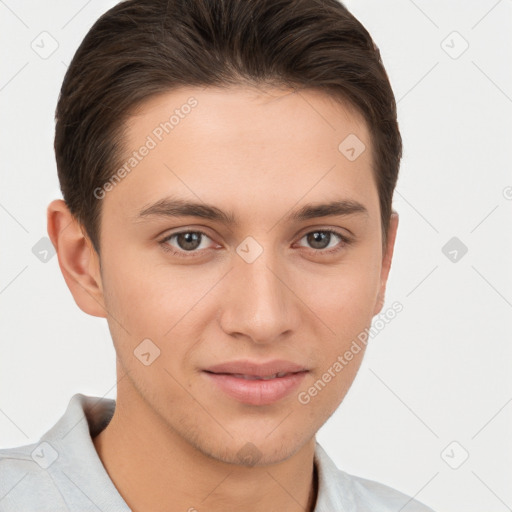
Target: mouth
256, 377
247, 368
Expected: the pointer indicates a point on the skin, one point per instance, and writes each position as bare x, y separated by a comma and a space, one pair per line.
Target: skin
174, 439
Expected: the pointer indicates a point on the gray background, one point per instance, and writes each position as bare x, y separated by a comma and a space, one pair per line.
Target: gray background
439, 373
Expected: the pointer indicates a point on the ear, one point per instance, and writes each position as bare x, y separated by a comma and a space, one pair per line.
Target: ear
386, 261
78, 260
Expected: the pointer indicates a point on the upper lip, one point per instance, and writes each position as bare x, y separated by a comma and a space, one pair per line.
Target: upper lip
256, 369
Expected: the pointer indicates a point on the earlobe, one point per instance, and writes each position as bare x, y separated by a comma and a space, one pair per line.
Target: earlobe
387, 257
78, 261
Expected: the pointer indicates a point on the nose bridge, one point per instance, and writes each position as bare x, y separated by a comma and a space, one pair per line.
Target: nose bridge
259, 304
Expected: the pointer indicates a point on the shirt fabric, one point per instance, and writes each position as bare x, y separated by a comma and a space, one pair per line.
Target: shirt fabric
63, 472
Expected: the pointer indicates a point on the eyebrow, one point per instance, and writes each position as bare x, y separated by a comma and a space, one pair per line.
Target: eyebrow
169, 207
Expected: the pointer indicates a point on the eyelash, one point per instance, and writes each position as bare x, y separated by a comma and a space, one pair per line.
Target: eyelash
191, 254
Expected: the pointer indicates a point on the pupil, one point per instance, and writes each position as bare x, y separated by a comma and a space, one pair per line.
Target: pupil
314, 240
190, 239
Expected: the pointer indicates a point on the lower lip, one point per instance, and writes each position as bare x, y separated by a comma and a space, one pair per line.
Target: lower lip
257, 392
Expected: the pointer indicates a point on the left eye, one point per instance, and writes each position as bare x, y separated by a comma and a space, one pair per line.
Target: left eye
322, 238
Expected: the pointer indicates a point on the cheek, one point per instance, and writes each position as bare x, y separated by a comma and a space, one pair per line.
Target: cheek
132, 297
345, 297
157, 300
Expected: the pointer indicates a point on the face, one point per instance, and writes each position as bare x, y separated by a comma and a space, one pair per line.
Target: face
256, 274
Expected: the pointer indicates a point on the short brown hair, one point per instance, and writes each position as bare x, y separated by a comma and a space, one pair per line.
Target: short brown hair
140, 48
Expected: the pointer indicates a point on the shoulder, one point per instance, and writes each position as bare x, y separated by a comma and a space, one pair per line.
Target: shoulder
339, 490
375, 496
61, 471
24, 481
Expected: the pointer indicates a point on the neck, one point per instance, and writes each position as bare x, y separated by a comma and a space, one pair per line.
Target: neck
154, 468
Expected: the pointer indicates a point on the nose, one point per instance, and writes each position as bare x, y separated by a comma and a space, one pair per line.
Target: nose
259, 302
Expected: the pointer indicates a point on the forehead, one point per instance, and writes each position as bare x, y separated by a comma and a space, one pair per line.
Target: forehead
246, 146
239, 111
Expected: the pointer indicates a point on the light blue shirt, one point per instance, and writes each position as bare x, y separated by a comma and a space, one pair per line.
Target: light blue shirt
63, 472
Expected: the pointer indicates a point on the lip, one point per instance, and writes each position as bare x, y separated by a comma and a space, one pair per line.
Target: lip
256, 392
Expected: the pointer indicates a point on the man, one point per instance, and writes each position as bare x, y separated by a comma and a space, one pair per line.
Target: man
227, 170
